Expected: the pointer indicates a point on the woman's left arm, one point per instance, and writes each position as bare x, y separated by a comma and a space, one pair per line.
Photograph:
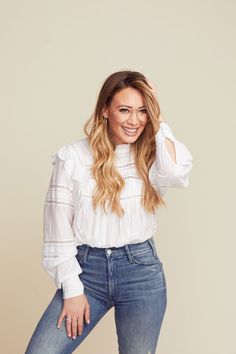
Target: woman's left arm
169, 143
174, 160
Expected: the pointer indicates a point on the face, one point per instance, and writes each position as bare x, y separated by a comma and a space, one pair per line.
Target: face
124, 123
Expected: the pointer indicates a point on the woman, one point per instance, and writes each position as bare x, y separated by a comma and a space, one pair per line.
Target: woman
100, 216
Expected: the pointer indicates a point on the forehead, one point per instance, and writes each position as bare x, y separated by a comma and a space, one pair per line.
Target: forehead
128, 96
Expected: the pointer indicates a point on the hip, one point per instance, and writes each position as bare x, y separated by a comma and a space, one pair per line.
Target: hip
118, 273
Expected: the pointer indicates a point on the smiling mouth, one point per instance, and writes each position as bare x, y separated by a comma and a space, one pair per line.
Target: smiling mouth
130, 131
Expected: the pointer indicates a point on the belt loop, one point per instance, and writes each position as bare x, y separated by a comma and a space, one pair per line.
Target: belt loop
128, 253
152, 244
86, 251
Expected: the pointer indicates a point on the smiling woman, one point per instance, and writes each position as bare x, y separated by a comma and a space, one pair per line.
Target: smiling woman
122, 122
100, 218
123, 115
132, 125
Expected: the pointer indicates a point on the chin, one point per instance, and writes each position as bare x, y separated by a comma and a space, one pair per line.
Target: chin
126, 139
129, 139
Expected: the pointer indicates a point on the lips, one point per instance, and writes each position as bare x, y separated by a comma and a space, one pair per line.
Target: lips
130, 130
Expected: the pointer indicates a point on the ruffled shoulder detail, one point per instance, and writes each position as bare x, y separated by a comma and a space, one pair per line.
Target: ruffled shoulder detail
72, 161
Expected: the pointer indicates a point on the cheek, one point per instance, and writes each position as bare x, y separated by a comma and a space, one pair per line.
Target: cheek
141, 130
115, 126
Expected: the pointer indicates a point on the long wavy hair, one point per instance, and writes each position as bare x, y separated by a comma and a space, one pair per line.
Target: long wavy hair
109, 182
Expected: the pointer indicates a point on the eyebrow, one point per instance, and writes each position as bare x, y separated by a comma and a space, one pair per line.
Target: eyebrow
125, 105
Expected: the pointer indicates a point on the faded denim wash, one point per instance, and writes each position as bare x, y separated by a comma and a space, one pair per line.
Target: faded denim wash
131, 278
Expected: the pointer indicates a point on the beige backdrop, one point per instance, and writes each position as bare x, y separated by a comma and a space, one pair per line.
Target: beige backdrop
54, 58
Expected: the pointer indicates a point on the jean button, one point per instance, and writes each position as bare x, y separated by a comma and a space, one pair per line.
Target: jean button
108, 251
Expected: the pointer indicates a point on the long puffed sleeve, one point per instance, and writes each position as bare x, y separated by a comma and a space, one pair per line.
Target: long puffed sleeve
59, 248
167, 172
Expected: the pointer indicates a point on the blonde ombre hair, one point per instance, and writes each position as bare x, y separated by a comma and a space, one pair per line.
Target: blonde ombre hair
109, 182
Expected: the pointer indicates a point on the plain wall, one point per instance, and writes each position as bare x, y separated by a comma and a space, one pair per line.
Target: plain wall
54, 58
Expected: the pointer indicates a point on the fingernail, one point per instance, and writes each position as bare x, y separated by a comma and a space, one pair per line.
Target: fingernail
79, 333
58, 326
88, 321
73, 337
69, 335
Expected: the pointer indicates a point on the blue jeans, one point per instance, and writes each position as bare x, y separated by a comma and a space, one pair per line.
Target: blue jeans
130, 278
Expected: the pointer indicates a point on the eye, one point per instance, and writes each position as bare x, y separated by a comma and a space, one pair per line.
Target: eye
143, 110
123, 110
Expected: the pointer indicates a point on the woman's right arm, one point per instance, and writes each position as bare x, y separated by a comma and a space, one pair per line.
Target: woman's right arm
59, 248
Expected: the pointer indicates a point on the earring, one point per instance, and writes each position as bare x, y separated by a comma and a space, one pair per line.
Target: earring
105, 118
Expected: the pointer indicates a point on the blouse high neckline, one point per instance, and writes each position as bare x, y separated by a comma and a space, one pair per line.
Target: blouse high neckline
122, 149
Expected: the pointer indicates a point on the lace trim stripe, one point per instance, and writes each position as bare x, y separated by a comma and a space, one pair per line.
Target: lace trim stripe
57, 202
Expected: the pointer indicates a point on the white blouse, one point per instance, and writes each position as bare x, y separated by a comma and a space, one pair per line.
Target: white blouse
69, 218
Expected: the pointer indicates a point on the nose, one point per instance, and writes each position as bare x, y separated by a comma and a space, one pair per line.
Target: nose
133, 118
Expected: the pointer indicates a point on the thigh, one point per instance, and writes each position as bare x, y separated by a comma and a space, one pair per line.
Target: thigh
141, 306
48, 339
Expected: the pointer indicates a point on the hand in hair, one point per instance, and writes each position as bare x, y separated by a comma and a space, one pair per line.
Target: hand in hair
150, 83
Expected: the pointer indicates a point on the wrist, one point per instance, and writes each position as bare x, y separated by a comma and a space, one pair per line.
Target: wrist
72, 287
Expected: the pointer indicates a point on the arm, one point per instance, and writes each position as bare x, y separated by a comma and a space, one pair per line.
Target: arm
174, 160
169, 143
59, 249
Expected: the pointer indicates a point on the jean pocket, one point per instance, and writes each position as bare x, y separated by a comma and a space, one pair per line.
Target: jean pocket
146, 258
80, 255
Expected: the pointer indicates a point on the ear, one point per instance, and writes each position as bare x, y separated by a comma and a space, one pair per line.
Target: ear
105, 112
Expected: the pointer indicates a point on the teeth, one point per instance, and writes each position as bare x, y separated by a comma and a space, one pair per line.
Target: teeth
130, 130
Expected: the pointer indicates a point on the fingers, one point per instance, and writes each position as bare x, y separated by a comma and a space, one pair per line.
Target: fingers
74, 311
68, 325
153, 87
61, 317
87, 313
73, 325
80, 325
86, 316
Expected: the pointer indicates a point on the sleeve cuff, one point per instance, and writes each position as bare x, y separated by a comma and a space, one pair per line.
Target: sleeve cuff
72, 287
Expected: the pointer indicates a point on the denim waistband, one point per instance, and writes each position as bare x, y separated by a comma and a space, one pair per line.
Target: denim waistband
127, 249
